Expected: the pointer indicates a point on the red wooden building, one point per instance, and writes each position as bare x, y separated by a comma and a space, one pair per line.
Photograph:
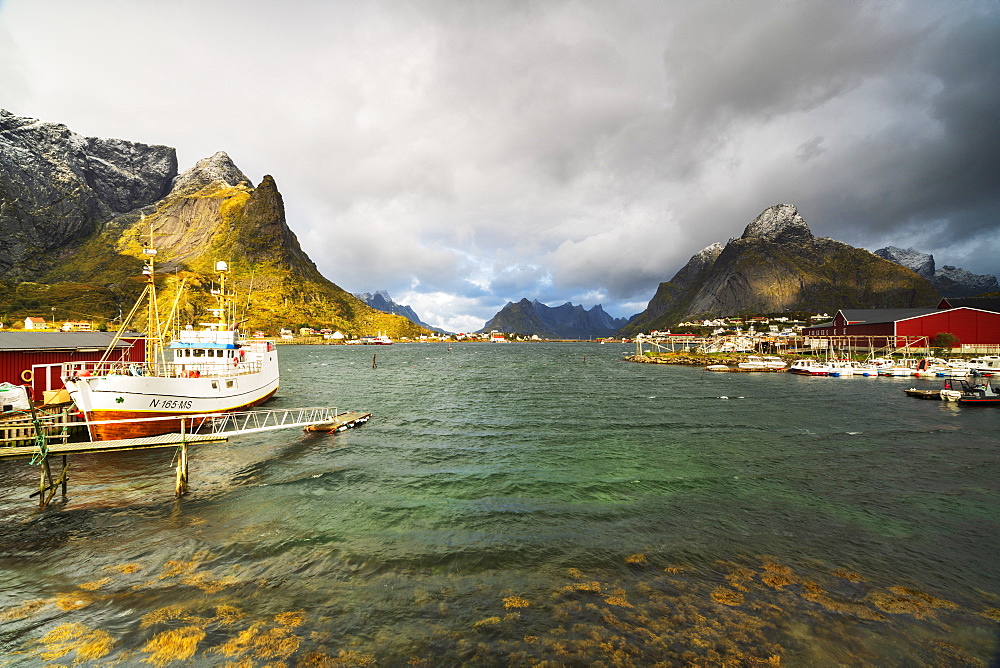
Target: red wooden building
974, 327
34, 358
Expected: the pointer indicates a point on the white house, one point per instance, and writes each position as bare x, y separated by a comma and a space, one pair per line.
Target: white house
34, 323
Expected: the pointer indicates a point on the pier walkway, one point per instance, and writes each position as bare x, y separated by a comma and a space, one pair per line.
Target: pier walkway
212, 427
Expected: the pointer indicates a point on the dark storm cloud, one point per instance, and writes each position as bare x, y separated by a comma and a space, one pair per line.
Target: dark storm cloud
464, 154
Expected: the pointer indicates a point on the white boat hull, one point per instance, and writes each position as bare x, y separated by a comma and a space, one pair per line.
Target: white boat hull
119, 397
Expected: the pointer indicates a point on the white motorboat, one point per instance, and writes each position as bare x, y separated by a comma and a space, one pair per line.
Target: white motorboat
753, 363
900, 368
774, 362
809, 367
838, 368
987, 365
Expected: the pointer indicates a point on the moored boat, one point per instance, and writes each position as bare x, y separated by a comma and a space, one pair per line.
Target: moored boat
809, 367
379, 340
986, 366
212, 369
752, 363
839, 368
900, 368
978, 394
774, 362
929, 367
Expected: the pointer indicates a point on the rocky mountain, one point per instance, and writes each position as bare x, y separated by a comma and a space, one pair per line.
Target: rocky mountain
778, 265
950, 281
569, 321
381, 301
57, 187
76, 212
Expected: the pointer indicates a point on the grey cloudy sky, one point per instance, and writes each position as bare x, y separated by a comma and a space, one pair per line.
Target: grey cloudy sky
463, 154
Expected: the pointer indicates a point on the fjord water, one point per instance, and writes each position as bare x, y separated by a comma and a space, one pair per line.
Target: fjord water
515, 503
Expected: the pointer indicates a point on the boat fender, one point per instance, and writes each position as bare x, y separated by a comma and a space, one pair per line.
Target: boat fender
27, 375
236, 361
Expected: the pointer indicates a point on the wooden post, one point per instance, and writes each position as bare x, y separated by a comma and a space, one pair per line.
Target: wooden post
65, 474
43, 468
182, 465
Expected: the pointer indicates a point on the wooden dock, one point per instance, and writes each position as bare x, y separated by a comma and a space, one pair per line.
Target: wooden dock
57, 422
214, 427
91, 447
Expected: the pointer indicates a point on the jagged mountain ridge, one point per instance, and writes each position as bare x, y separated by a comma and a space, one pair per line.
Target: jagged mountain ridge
778, 265
57, 187
568, 321
381, 301
950, 281
79, 218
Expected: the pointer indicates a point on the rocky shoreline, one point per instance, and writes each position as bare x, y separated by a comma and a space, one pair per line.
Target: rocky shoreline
690, 360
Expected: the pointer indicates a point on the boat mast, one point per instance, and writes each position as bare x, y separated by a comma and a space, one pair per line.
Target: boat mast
154, 335
225, 300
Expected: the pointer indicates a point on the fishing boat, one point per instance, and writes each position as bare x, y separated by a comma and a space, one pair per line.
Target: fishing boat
209, 369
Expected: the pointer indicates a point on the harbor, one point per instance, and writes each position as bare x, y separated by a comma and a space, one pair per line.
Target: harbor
516, 500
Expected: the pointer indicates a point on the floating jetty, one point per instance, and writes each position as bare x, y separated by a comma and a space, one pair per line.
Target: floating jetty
211, 427
923, 394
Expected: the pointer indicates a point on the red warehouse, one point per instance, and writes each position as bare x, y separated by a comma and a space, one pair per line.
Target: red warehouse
976, 329
34, 358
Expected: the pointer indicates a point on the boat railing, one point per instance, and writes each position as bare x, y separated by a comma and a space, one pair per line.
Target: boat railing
159, 369
245, 422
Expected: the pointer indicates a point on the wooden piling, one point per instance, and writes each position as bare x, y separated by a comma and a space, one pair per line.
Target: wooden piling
182, 465
45, 475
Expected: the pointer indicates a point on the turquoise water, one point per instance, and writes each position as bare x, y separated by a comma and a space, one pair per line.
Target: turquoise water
513, 504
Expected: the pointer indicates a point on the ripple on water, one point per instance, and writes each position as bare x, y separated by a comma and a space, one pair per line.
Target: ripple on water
515, 504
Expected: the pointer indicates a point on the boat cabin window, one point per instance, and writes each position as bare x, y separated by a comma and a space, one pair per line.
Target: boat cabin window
198, 352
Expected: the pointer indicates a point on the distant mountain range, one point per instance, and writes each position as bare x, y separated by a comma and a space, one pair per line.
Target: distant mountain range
381, 301
778, 265
569, 321
950, 281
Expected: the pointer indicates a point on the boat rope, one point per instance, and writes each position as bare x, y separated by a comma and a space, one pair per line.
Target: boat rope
41, 443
